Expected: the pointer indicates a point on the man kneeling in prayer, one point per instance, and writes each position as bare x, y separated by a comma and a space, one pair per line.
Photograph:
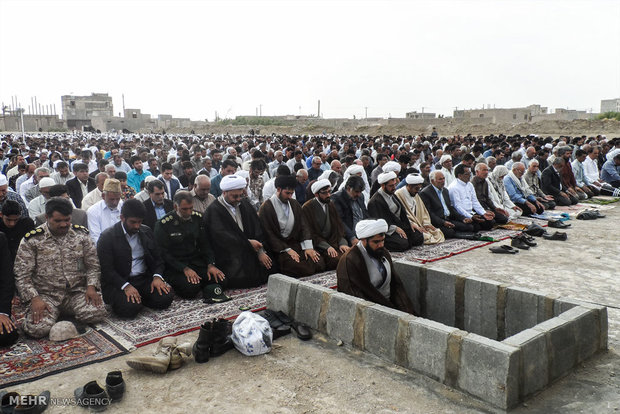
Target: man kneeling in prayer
366, 270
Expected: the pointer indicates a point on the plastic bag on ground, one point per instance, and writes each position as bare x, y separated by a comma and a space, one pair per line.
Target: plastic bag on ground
251, 334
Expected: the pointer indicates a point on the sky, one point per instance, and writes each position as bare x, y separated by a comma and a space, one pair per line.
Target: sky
359, 58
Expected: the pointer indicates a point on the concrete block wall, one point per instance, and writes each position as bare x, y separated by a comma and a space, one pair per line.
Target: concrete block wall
471, 360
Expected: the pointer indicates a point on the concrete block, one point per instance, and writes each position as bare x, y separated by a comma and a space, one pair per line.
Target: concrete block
561, 346
534, 361
440, 296
428, 347
546, 304
381, 331
309, 302
490, 370
481, 306
586, 330
413, 276
563, 304
341, 316
282, 293
521, 309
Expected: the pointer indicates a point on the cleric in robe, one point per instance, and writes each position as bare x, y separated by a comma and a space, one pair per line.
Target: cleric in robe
366, 270
236, 237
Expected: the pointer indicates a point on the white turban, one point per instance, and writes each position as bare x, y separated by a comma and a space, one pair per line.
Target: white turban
391, 166
368, 228
355, 169
3, 180
445, 158
414, 179
548, 146
150, 178
46, 182
233, 182
385, 177
319, 185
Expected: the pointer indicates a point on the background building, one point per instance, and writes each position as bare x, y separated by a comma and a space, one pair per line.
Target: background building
610, 105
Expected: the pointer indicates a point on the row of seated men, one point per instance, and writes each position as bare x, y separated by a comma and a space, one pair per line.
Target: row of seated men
230, 246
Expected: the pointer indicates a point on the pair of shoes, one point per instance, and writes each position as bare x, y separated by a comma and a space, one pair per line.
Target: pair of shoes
12, 402
503, 249
280, 319
213, 340
167, 356
522, 241
558, 235
558, 224
588, 215
278, 327
95, 398
534, 230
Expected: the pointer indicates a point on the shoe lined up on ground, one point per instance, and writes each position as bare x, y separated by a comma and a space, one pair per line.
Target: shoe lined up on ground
558, 224
558, 235
281, 324
14, 403
213, 340
504, 249
167, 356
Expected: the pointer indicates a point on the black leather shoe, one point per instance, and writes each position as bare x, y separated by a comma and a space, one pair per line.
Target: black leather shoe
222, 329
555, 236
558, 224
92, 396
202, 346
534, 230
529, 240
278, 328
115, 385
519, 244
9, 401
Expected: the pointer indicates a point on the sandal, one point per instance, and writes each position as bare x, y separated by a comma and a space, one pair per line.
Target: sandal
503, 249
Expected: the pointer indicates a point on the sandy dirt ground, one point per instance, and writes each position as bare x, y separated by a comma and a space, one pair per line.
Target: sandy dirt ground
320, 377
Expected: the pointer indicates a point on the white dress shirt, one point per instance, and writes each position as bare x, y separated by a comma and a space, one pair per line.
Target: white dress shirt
138, 265
100, 217
590, 170
463, 198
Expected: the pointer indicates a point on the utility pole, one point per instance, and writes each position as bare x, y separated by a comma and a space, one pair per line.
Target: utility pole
260, 112
366, 111
123, 95
318, 111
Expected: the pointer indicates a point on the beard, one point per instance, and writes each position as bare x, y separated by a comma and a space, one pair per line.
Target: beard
376, 253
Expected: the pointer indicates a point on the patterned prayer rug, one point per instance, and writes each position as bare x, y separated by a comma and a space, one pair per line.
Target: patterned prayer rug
187, 315
30, 359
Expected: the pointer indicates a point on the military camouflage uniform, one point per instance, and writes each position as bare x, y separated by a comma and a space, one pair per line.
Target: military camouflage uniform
184, 244
58, 270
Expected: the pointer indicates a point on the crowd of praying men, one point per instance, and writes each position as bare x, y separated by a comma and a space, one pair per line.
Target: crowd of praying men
128, 220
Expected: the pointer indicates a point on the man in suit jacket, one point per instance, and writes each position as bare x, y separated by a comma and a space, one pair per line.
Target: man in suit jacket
384, 205
157, 206
81, 185
551, 183
171, 183
443, 215
131, 266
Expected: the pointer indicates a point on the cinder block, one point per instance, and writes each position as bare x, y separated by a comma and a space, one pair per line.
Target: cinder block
534, 361
563, 304
282, 293
410, 275
490, 370
341, 316
428, 347
521, 309
440, 296
381, 330
586, 330
561, 346
481, 306
308, 303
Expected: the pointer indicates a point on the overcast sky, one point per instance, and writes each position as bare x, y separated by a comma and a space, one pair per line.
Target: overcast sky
192, 58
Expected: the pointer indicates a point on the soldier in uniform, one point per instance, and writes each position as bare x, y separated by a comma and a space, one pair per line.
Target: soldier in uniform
57, 271
190, 263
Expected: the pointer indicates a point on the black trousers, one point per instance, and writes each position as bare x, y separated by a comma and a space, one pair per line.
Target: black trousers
500, 218
565, 201
126, 309
528, 211
395, 243
8, 338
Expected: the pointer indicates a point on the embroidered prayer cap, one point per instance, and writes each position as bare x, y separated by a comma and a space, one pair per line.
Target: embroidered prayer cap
414, 179
233, 182
391, 166
385, 177
319, 185
112, 185
46, 182
63, 330
149, 179
368, 228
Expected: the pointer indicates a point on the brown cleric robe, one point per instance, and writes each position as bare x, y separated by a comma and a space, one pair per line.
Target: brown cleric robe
326, 230
353, 279
275, 243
